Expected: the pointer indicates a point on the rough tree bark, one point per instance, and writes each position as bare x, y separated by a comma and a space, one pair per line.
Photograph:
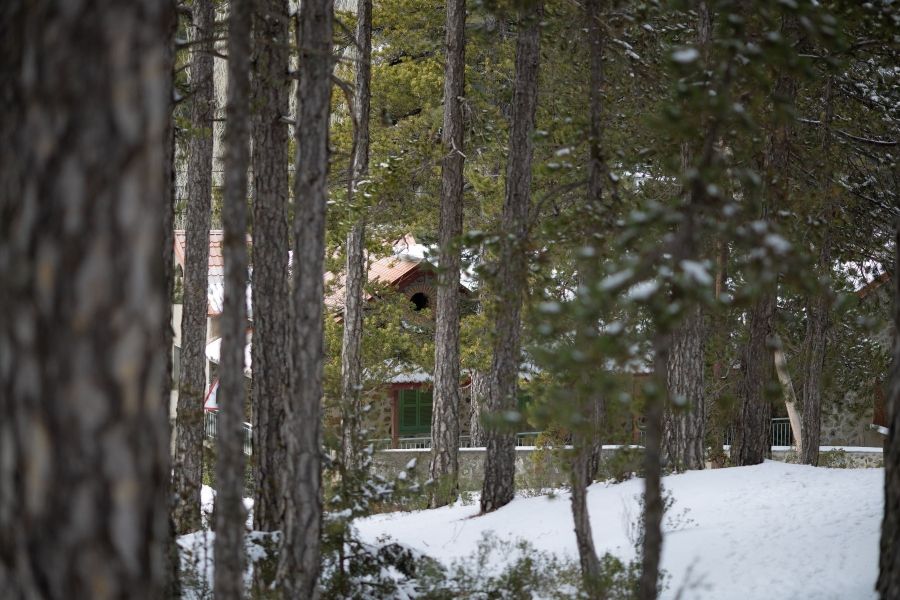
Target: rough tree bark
685, 424
587, 442
84, 463
271, 299
752, 441
651, 551
819, 311
814, 364
499, 468
445, 416
888, 585
188, 470
752, 435
719, 335
481, 382
230, 512
173, 589
301, 551
351, 342
584, 539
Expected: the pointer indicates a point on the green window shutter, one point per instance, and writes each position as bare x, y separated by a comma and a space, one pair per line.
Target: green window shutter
415, 412
425, 410
523, 400
408, 412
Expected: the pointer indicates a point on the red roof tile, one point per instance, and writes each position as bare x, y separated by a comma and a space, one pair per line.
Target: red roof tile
216, 264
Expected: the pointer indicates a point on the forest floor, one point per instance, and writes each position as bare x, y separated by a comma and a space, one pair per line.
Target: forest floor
771, 531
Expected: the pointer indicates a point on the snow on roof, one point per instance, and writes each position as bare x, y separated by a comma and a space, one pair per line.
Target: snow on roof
414, 375
406, 257
215, 290
214, 350
215, 293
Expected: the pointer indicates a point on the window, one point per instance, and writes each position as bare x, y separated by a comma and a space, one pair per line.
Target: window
420, 301
415, 412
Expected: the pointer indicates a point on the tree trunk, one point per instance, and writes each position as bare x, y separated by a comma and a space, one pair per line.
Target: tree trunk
480, 392
445, 416
500, 459
230, 513
888, 585
720, 368
651, 551
753, 437
173, 588
84, 462
584, 539
351, 346
271, 298
301, 550
351, 343
188, 472
586, 440
753, 434
685, 425
814, 365
818, 323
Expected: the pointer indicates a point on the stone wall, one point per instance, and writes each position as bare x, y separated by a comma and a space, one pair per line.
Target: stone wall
535, 468
540, 468
838, 457
846, 422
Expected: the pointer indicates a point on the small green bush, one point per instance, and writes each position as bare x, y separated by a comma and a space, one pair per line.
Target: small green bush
622, 465
835, 459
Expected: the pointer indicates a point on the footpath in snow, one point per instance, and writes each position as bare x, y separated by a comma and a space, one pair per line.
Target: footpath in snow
772, 531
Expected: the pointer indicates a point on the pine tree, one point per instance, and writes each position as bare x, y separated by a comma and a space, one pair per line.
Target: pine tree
888, 585
499, 468
302, 548
271, 299
188, 470
85, 452
586, 440
230, 514
753, 438
351, 342
445, 416
685, 424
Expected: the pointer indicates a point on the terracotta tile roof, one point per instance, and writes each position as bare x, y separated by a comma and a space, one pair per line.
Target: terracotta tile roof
216, 280
216, 264
388, 270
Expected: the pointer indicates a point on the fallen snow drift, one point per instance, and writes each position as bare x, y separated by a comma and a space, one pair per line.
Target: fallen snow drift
769, 531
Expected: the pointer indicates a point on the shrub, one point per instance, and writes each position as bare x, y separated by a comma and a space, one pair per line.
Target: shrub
622, 465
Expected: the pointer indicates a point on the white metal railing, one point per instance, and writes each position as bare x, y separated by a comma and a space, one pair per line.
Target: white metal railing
780, 433
211, 428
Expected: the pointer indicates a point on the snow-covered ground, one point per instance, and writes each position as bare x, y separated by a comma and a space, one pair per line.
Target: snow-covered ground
772, 531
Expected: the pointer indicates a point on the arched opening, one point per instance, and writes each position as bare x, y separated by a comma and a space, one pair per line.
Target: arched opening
419, 300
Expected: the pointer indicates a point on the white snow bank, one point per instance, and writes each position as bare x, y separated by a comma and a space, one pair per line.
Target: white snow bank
769, 531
